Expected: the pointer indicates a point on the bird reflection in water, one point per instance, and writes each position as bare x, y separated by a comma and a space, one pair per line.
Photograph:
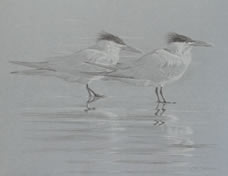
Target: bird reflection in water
92, 99
133, 139
160, 109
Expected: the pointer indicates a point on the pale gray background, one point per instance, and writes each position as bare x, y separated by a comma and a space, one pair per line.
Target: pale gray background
34, 29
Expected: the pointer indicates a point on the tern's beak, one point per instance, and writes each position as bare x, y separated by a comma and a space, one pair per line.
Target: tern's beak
201, 43
131, 49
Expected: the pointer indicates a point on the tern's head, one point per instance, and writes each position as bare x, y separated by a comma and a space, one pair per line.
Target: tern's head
184, 43
114, 42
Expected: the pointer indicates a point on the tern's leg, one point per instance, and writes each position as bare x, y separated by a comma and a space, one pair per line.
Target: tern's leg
92, 98
96, 94
163, 98
89, 92
92, 93
156, 91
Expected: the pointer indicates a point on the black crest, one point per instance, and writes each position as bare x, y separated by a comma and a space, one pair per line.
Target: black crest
174, 37
110, 37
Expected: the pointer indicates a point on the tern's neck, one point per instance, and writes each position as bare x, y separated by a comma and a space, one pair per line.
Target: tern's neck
109, 47
181, 49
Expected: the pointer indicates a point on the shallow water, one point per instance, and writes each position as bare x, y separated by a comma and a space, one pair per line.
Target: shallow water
117, 138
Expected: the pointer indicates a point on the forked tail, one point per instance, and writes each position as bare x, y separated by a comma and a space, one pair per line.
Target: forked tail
33, 72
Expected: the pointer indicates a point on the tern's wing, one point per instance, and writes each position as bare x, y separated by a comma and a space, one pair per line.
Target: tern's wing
85, 61
158, 66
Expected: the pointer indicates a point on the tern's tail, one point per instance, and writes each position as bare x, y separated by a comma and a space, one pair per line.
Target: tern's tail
32, 72
37, 65
44, 72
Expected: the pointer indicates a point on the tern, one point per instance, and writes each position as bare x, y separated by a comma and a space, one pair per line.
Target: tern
159, 67
74, 67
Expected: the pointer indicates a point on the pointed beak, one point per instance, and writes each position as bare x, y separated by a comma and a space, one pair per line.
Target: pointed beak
201, 43
131, 49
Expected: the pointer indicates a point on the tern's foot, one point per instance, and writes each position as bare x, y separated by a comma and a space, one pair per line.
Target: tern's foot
169, 102
94, 98
166, 102
160, 102
90, 109
99, 96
